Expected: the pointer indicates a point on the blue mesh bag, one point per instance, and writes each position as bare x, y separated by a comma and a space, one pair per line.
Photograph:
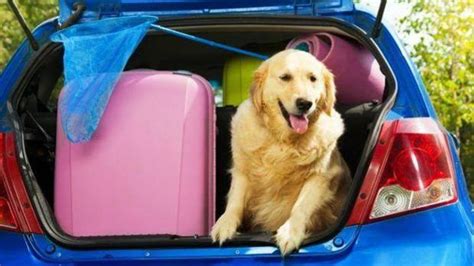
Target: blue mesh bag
95, 56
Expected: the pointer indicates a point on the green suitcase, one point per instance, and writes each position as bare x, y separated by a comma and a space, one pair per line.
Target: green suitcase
238, 73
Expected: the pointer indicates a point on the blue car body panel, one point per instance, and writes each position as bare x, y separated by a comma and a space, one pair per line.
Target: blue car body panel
428, 237
99, 8
437, 236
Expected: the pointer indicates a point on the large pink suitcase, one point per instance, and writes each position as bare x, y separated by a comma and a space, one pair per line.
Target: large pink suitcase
149, 168
357, 74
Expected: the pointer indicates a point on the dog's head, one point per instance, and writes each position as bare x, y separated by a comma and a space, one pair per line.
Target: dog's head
291, 89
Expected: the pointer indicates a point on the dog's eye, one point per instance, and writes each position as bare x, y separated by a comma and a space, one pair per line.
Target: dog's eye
286, 77
312, 78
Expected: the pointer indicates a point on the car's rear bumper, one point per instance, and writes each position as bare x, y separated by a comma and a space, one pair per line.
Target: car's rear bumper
435, 237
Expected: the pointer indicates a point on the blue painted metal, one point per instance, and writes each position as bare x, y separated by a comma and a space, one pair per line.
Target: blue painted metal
43, 246
433, 237
98, 8
208, 42
441, 236
463, 192
14, 250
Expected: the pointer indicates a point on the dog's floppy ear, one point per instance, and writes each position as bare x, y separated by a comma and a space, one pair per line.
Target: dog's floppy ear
256, 89
329, 98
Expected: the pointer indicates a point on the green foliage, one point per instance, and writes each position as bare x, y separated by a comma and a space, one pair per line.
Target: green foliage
443, 49
11, 33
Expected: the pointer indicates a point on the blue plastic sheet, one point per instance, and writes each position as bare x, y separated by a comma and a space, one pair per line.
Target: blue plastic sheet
95, 56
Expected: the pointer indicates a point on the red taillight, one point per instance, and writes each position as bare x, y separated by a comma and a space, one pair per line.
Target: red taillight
6, 216
16, 212
410, 170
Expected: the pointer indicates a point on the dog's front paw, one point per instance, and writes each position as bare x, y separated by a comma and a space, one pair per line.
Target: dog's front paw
225, 228
289, 237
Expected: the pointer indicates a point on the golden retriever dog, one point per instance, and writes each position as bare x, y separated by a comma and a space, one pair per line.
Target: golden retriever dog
287, 176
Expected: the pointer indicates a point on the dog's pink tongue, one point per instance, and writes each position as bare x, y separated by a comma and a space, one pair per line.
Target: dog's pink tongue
299, 123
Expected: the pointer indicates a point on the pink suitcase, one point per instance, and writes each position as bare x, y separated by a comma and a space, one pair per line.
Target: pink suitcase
357, 74
149, 168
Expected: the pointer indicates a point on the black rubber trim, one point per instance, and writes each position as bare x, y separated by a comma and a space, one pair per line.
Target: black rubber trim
46, 216
78, 11
183, 73
378, 20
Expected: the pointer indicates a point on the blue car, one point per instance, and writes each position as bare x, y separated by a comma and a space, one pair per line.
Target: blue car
408, 205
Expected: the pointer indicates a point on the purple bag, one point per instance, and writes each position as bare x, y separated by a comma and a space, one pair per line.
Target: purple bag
357, 74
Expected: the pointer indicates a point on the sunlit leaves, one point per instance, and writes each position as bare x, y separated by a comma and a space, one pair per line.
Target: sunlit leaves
11, 34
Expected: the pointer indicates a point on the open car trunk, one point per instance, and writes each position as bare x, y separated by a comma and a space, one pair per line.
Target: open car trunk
34, 107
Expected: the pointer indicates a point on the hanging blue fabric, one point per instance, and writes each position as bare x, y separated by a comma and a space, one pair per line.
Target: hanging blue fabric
95, 55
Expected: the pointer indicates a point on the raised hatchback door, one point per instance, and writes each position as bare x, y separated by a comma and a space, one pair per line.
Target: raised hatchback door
103, 8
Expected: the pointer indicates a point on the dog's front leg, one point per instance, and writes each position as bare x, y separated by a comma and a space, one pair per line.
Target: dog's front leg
226, 226
292, 233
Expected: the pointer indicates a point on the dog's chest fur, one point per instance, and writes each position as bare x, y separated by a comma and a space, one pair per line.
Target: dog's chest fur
275, 185
276, 176
277, 170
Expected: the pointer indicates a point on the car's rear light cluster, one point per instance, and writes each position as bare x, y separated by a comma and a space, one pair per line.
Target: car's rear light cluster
16, 212
411, 170
7, 220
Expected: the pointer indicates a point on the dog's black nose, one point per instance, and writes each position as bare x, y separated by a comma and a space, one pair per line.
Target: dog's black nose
303, 105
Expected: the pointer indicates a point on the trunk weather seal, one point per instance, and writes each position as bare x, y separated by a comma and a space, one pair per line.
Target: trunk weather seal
45, 214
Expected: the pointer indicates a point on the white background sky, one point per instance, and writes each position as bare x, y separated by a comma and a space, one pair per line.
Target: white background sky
393, 11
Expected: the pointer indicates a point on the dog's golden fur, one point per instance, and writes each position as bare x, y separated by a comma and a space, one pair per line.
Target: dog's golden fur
284, 182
